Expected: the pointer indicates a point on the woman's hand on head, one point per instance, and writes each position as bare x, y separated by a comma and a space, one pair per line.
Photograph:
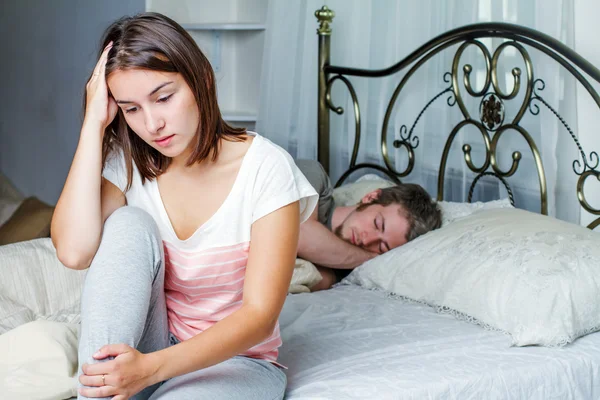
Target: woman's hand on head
100, 107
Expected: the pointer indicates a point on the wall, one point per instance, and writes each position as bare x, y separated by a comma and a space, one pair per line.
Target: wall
588, 114
48, 50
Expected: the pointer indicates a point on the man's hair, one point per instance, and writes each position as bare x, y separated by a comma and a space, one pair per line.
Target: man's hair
422, 213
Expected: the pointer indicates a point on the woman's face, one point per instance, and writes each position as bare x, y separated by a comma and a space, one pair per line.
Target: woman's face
159, 107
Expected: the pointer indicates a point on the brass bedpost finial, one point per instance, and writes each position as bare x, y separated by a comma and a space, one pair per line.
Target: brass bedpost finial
325, 16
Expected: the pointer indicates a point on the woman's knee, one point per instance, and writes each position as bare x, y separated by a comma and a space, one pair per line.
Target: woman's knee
128, 220
129, 217
131, 228
130, 243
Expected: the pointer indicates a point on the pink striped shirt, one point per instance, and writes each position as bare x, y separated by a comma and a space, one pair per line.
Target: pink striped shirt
205, 273
203, 288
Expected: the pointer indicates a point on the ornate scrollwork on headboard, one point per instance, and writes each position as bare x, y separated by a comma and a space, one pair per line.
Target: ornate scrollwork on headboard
339, 110
492, 121
492, 116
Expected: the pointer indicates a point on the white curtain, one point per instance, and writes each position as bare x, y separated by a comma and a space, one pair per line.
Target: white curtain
375, 34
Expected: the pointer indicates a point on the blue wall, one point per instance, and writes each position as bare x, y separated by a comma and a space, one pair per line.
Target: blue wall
47, 51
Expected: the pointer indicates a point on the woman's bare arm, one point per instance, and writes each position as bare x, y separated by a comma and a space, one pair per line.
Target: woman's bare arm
87, 199
273, 247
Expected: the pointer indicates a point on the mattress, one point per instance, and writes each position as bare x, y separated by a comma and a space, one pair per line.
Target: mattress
353, 343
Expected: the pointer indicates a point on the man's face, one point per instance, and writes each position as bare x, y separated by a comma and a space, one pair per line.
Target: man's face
375, 228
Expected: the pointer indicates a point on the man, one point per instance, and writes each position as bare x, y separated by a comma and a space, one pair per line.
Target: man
338, 239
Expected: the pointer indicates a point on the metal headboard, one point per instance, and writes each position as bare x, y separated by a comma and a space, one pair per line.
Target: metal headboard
491, 122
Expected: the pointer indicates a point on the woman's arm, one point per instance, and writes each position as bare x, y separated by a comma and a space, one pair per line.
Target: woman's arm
269, 270
87, 199
268, 274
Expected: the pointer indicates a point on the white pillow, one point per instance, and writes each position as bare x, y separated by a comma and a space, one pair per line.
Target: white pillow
351, 193
452, 211
39, 361
532, 276
35, 285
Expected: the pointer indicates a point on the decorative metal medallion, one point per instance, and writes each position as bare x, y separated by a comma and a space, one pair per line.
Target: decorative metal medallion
491, 111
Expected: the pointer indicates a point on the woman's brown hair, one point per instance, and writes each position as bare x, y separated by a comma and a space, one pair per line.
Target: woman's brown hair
156, 42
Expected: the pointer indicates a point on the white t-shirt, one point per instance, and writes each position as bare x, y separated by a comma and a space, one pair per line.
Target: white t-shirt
204, 274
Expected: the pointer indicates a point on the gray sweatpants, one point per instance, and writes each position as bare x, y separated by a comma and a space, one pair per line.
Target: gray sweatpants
123, 301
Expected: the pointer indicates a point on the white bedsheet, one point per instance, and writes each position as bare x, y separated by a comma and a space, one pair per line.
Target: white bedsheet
352, 343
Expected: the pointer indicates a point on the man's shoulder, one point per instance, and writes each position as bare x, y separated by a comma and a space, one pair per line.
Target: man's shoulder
316, 175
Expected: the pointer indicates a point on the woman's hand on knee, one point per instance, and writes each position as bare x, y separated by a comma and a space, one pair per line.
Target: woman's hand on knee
122, 377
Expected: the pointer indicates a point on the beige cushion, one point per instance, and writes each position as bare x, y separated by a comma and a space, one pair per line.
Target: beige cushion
8, 190
7, 209
10, 199
304, 277
31, 220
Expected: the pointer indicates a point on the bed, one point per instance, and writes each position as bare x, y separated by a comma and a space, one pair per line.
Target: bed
352, 343
389, 330
384, 334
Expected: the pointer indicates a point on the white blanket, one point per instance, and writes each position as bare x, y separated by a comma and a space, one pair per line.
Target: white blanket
353, 343
35, 285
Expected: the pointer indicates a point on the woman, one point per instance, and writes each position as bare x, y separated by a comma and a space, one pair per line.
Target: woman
186, 223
